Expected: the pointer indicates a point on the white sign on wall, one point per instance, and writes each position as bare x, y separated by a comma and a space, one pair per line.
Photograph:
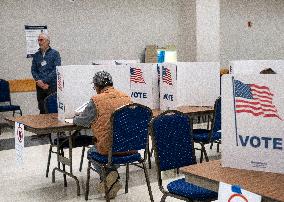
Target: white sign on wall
32, 33
233, 193
253, 122
19, 142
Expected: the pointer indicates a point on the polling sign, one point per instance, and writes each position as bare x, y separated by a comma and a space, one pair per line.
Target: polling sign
168, 86
234, 193
143, 84
253, 122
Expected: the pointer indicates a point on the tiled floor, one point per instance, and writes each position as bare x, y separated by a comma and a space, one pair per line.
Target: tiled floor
27, 182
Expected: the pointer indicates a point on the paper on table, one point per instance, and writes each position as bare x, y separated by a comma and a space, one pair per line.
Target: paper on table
69, 120
81, 108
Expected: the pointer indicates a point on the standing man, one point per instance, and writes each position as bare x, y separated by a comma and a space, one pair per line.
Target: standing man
43, 70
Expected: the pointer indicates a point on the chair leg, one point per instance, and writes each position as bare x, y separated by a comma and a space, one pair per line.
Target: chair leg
163, 199
201, 155
48, 161
127, 178
63, 165
149, 157
88, 181
218, 146
82, 159
148, 181
205, 153
211, 145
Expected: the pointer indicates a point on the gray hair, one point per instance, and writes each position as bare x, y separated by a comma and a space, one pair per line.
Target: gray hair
102, 79
44, 36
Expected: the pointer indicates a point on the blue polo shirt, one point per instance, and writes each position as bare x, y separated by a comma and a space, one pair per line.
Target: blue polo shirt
44, 68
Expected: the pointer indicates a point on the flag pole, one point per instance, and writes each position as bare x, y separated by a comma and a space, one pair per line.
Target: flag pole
236, 128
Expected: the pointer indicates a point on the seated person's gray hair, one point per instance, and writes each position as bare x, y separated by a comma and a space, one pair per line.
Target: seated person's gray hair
102, 79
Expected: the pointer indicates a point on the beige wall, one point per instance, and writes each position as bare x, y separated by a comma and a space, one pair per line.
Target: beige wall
85, 30
264, 40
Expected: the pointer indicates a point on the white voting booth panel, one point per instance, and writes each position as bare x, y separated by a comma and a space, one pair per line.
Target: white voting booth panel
126, 61
193, 83
113, 62
198, 83
144, 87
76, 86
103, 62
255, 66
252, 122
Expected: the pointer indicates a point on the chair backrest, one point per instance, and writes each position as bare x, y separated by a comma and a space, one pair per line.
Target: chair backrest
216, 124
50, 103
4, 91
172, 139
130, 127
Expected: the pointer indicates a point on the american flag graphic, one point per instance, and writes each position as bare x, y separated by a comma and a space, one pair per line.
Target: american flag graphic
254, 99
136, 75
166, 76
60, 82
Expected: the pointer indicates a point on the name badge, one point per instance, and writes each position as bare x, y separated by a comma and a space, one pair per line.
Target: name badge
43, 63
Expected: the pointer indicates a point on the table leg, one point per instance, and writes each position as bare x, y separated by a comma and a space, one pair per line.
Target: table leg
65, 162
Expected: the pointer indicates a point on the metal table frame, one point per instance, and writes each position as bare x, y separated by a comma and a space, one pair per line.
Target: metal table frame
49, 123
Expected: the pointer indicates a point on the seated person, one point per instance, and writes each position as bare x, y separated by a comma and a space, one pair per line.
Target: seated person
97, 114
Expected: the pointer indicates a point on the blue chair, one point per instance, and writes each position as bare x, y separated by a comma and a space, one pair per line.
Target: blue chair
50, 105
203, 136
129, 132
172, 140
6, 98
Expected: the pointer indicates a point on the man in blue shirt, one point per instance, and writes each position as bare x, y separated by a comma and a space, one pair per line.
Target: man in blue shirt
43, 70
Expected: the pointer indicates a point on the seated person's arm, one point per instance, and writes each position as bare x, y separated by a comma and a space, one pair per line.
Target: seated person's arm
87, 116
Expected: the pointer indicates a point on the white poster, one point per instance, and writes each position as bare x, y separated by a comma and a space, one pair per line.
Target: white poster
233, 193
32, 33
19, 142
168, 86
252, 122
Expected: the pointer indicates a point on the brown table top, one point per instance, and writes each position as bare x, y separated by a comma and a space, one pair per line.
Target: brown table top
42, 123
266, 184
191, 110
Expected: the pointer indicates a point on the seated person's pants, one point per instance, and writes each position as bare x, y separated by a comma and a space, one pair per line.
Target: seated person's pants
98, 169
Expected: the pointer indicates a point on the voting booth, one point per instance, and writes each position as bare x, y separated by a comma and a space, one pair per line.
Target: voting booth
75, 85
252, 122
189, 83
144, 87
255, 66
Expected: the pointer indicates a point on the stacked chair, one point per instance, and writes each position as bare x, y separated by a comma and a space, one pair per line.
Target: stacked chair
172, 140
129, 132
203, 136
50, 104
6, 98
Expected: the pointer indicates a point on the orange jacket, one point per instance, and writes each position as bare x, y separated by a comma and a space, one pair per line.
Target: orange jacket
106, 103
